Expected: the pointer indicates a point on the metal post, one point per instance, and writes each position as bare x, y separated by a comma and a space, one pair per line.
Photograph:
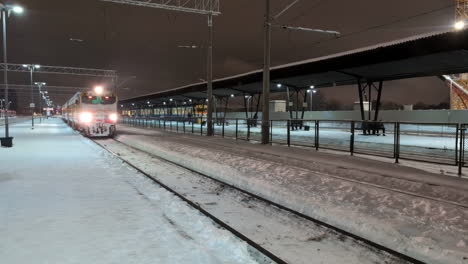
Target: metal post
289, 132
5, 72
461, 156
224, 121
352, 139
317, 135
271, 132
32, 97
361, 101
237, 127
209, 74
377, 107
369, 103
456, 143
40, 103
248, 130
397, 142
266, 76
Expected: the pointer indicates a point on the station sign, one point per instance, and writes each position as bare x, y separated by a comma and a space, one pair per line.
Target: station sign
32, 105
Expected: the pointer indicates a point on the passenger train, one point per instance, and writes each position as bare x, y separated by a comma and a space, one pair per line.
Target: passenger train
93, 113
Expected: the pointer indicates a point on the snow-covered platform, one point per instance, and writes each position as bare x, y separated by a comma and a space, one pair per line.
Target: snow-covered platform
63, 199
416, 212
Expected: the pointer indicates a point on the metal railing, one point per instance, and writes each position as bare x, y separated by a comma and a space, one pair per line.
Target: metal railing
441, 143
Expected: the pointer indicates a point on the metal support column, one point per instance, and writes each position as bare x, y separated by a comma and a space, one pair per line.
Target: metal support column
5, 73
209, 74
266, 76
361, 101
377, 105
32, 97
369, 103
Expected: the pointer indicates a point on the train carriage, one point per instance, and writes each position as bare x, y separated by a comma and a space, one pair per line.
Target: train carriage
94, 113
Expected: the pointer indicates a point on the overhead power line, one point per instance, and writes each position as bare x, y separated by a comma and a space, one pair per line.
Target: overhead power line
60, 70
203, 7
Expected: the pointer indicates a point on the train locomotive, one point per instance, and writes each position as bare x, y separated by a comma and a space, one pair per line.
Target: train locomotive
93, 113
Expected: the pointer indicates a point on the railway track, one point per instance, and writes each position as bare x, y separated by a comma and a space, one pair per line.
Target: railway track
274, 258
242, 153
241, 236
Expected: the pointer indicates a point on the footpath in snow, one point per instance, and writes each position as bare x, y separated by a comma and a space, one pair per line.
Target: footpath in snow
326, 187
64, 199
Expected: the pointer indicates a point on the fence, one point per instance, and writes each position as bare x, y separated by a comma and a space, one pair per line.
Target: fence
441, 143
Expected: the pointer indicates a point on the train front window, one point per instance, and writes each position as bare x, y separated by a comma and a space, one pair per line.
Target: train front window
108, 100
89, 99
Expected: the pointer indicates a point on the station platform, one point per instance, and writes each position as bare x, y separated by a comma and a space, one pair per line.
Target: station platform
413, 210
64, 199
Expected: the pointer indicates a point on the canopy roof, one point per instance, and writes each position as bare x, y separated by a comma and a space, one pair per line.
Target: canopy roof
431, 54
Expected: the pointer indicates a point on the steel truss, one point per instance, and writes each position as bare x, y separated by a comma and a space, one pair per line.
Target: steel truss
461, 10
60, 70
47, 88
204, 7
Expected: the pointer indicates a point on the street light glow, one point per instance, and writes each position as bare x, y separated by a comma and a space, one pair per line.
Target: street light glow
312, 87
279, 85
37, 66
98, 89
18, 9
459, 25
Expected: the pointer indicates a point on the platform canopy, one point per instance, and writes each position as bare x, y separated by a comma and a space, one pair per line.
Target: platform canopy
432, 54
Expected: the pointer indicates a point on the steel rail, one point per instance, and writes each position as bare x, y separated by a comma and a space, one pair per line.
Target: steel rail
319, 222
222, 224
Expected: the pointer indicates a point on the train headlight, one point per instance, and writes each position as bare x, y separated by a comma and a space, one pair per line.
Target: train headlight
86, 117
113, 117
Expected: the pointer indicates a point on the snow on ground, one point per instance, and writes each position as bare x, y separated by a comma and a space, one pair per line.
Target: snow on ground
296, 240
429, 230
63, 199
12, 120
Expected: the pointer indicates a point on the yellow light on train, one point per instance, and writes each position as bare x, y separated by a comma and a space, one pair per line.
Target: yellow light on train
113, 117
98, 90
86, 117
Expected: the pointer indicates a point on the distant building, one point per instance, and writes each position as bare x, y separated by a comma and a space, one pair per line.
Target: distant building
277, 106
357, 106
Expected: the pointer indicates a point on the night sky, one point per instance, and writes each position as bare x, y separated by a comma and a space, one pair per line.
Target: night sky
143, 42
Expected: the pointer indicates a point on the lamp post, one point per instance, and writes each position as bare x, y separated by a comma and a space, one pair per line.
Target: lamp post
40, 85
311, 93
31, 68
7, 141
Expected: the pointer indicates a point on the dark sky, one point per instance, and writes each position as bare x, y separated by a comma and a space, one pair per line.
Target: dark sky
143, 42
